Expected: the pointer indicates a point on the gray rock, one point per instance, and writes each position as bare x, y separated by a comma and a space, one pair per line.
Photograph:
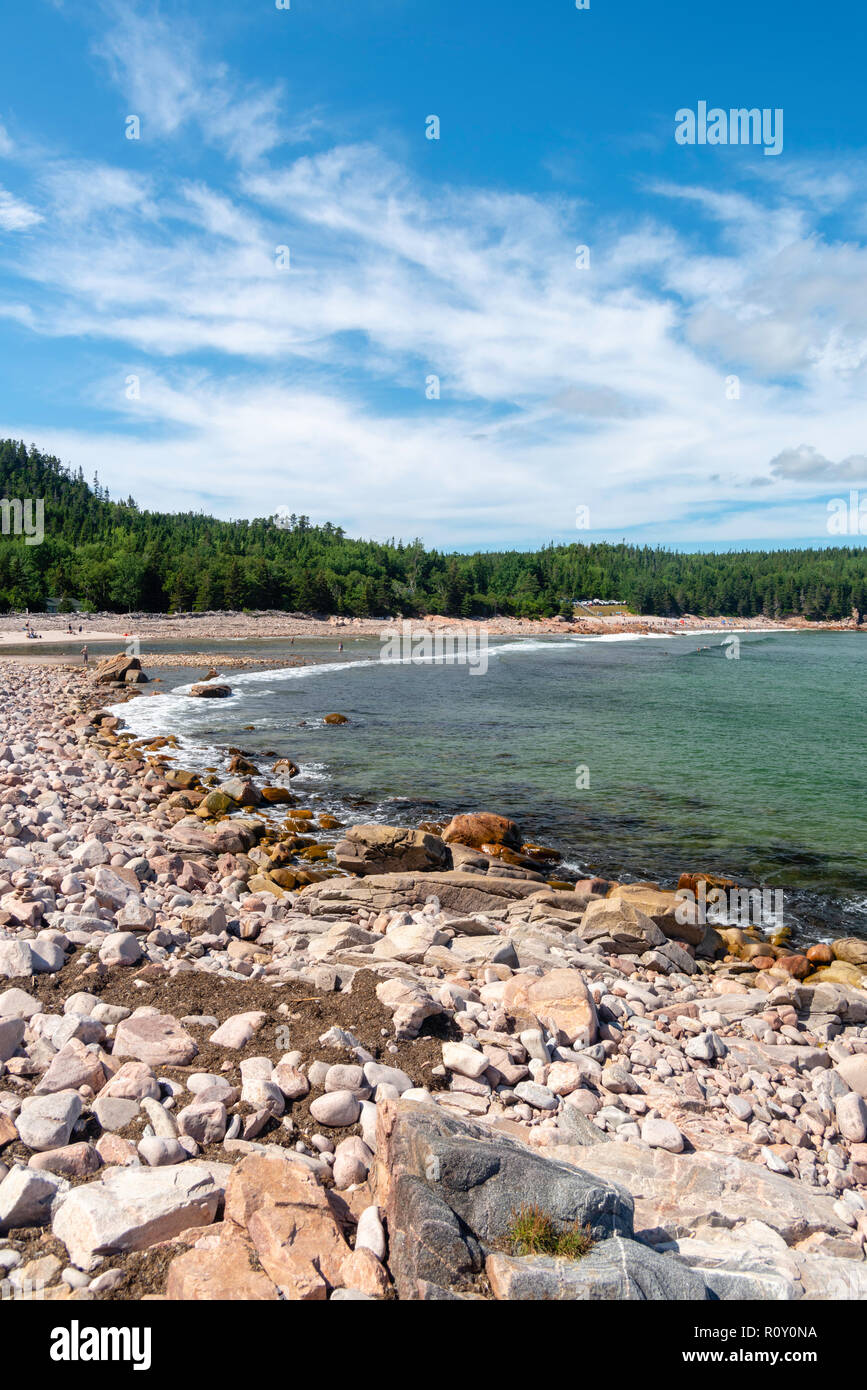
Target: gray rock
11, 1033
852, 1118
47, 1122
27, 1197
729, 1286
114, 1114
616, 1269
578, 1128
539, 1097
454, 1186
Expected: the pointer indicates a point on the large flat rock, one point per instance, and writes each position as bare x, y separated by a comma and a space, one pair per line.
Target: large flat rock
456, 891
676, 1193
616, 1269
133, 1208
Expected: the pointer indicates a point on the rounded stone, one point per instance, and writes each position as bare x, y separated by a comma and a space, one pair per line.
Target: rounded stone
336, 1109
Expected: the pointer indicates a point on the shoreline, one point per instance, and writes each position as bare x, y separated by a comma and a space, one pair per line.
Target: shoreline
272, 626
175, 999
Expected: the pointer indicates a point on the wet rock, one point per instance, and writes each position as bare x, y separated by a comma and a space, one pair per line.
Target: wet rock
483, 828
210, 691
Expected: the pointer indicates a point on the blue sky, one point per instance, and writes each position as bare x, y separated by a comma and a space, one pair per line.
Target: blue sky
149, 333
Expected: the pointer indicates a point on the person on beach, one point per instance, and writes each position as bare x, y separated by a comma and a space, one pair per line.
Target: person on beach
84, 654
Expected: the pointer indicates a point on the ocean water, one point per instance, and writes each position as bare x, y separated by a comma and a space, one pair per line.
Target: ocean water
635, 757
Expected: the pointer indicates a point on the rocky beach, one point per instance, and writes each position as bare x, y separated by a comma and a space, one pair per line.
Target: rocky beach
241, 1061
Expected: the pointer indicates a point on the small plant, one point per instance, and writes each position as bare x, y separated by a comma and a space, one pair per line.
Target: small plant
533, 1232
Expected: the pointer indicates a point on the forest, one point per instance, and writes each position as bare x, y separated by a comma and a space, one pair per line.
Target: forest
106, 554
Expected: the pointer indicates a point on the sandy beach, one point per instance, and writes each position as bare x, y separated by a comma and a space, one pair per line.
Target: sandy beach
192, 628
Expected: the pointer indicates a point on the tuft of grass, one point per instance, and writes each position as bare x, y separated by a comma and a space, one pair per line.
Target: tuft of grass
533, 1232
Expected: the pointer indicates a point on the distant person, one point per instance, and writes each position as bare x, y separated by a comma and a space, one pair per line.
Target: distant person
340, 646
84, 654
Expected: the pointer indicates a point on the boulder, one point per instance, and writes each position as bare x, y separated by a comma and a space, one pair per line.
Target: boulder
27, 1197
616, 1269
676, 1193
449, 1188
854, 1072
287, 767
409, 1003
11, 1033
850, 949
219, 1272
134, 1208
241, 791
559, 999
210, 691
481, 829
383, 849
47, 1122
115, 668
291, 1224
620, 927
462, 893
157, 1039
677, 916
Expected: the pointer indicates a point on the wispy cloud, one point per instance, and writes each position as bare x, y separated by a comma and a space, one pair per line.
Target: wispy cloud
301, 379
16, 215
170, 84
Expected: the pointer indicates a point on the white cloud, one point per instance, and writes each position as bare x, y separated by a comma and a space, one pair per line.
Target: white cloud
559, 387
15, 215
170, 85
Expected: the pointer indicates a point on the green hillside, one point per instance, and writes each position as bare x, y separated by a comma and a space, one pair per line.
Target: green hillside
112, 555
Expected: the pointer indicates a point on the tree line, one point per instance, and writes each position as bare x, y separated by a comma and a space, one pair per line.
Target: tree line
111, 555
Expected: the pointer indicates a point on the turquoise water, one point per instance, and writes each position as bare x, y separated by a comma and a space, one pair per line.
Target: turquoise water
755, 767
